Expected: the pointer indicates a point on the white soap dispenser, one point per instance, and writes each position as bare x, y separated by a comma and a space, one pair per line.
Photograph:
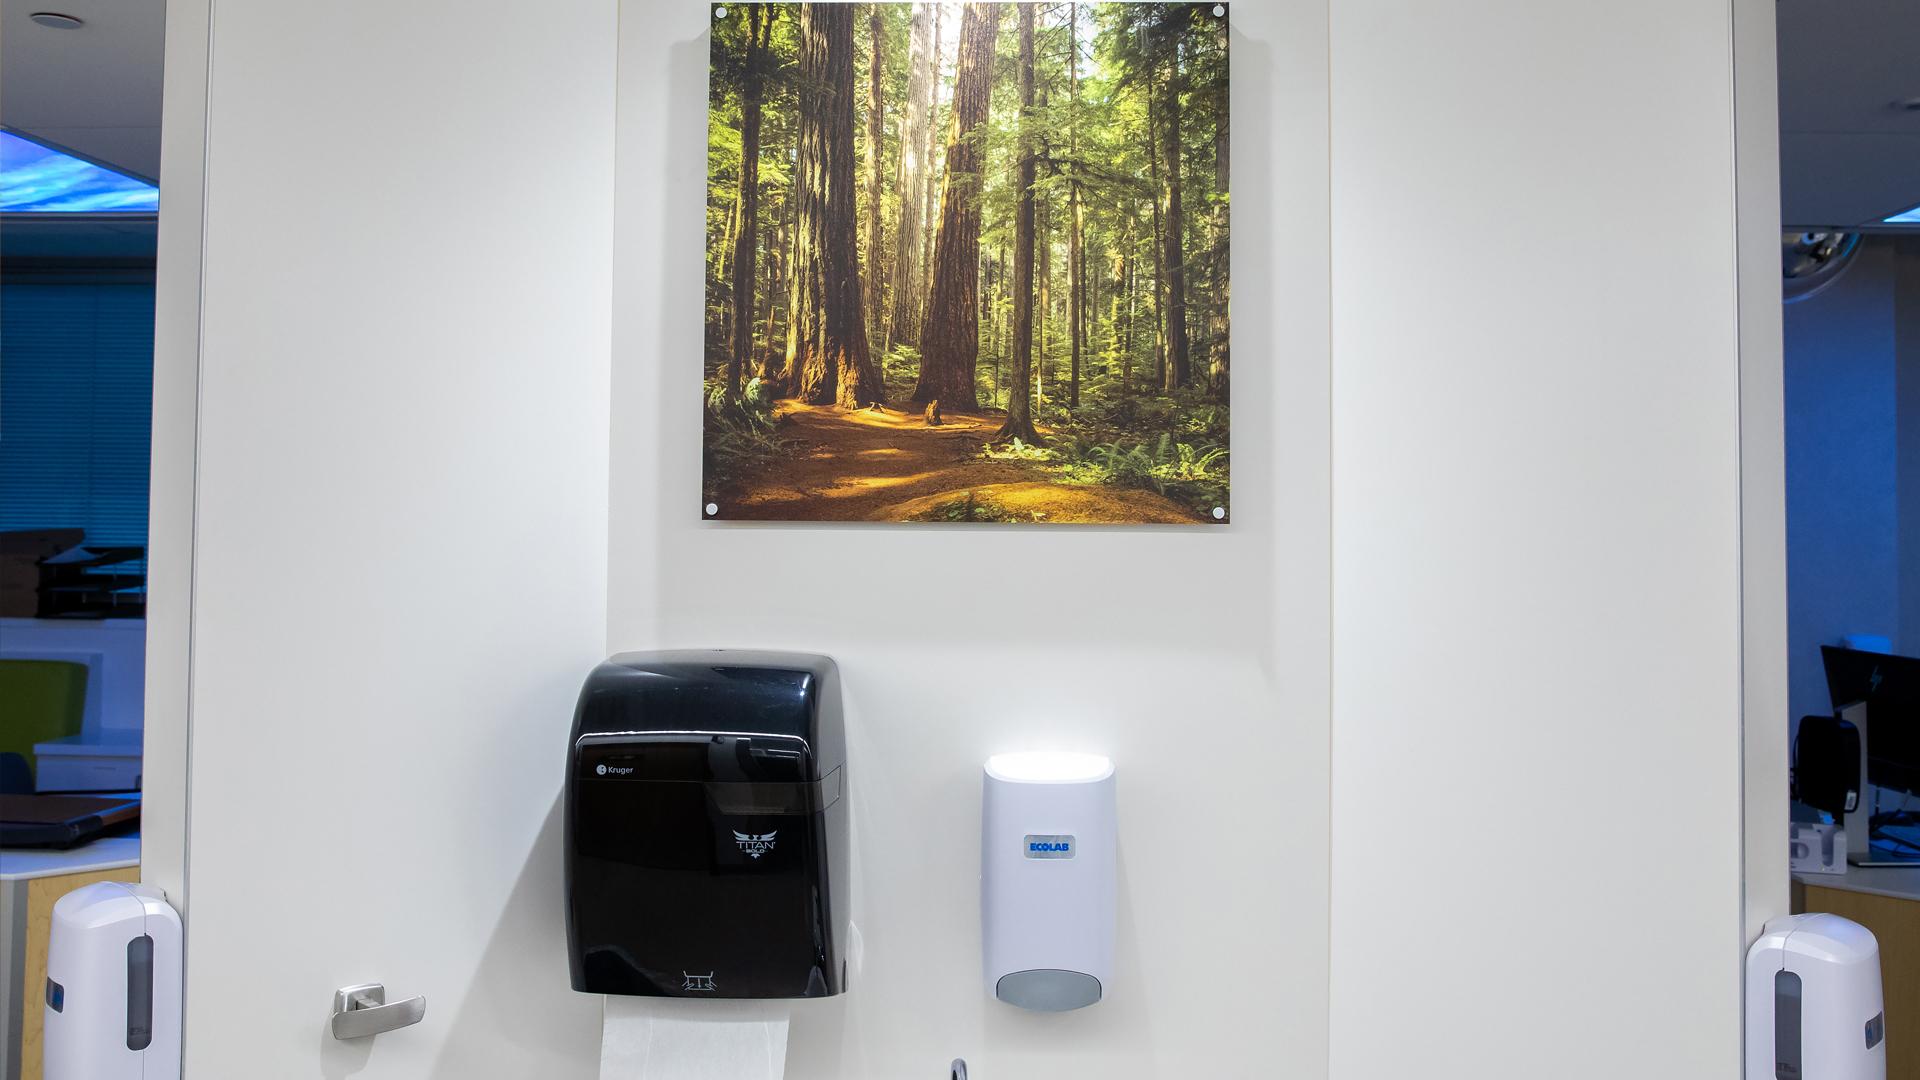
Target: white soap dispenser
113, 985
1048, 877
1813, 1001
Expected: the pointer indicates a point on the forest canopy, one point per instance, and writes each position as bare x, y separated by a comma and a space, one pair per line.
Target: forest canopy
968, 262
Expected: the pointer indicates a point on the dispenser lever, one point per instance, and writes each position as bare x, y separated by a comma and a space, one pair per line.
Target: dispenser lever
361, 1011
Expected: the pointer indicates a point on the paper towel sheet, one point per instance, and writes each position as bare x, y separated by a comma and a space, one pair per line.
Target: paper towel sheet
671, 1039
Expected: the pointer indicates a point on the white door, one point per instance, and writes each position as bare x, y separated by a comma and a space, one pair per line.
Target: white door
398, 557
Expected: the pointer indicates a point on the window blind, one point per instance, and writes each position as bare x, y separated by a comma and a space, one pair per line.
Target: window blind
76, 407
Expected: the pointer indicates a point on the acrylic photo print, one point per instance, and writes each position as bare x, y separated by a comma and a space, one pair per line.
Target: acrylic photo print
967, 262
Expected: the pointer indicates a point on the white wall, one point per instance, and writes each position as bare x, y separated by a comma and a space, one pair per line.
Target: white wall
1766, 887
1537, 795
392, 545
1208, 686
1536, 444
170, 487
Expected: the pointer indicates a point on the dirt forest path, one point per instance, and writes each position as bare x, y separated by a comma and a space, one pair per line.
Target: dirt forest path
889, 465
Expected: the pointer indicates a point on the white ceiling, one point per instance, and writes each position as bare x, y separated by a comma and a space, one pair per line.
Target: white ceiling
1847, 156
95, 90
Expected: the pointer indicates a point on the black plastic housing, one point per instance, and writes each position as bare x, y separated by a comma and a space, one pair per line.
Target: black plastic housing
1826, 764
706, 826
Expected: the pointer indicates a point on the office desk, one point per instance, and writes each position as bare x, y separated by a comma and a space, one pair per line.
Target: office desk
1885, 900
30, 881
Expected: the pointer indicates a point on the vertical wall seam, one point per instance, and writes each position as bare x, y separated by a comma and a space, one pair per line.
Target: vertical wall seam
613, 298
193, 528
1331, 499
1740, 537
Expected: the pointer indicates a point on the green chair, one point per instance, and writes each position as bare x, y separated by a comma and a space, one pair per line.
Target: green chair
40, 700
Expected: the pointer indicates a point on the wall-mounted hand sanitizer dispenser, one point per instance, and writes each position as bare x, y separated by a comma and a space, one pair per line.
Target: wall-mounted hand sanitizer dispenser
706, 827
113, 985
1048, 865
1813, 1002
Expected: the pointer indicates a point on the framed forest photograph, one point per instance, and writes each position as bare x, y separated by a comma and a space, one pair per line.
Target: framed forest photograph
967, 262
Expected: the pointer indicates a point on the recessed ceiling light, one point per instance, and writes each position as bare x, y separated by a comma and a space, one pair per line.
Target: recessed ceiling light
56, 20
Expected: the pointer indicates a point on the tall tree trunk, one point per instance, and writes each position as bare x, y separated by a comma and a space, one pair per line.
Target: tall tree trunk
990, 311
1177, 357
909, 181
719, 321
781, 371
765, 366
990, 285
1002, 323
1098, 301
1076, 268
876, 145
746, 234
834, 364
1019, 423
803, 267
1090, 283
1159, 243
1043, 241
723, 251
1123, 295
932, 180
950, 328
1221, 329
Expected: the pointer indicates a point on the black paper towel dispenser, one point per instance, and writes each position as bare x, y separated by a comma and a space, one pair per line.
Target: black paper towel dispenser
706, 827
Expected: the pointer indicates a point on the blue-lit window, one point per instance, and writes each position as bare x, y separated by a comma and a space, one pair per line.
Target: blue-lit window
39, 179
76, 407
1905, 217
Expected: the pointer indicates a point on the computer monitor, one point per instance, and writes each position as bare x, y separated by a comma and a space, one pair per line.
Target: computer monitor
1890, 687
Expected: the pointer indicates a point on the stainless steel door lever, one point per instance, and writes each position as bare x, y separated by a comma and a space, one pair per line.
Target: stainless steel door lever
360, 1011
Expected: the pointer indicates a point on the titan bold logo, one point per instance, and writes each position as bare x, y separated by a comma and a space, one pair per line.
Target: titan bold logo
698, 982
754, 844
1048, 846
